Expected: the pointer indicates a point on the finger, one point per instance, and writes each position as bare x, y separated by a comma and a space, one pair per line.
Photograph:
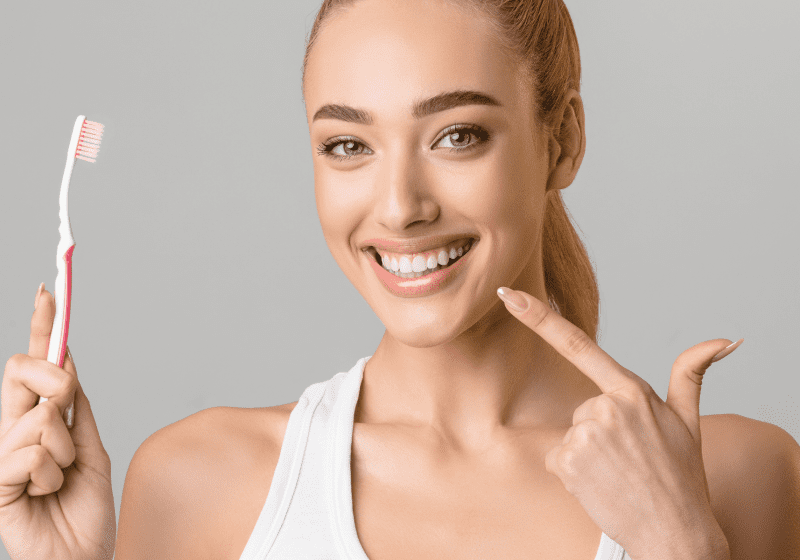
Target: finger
42, 325
89, 450
568, 435
25, 380
686, 379
46, 476
596, 408
574, 344
31, 467
43, 426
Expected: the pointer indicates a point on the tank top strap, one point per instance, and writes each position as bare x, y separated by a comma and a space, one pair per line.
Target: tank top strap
337, 464
287, 471
298, 517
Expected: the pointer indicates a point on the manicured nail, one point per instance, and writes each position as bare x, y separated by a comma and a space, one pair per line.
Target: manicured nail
69, 414
38, 293
727, 350
513, 299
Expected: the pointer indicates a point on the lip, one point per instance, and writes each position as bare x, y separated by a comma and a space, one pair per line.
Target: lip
424, 285
414, 245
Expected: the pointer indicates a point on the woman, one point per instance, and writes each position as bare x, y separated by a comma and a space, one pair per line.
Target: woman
475, 430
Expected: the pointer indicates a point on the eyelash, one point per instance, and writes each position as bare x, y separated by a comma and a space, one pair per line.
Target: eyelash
326, 148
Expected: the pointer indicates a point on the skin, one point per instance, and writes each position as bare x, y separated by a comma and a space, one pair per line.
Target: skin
458, 388
514, 433
457, 383
454, 362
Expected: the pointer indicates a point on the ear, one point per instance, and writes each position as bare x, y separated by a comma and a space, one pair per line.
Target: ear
567, 143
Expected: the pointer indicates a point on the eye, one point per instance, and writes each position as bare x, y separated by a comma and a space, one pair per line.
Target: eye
348, 146
459, 134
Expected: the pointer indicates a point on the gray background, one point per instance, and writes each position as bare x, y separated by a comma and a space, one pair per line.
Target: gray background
201, 276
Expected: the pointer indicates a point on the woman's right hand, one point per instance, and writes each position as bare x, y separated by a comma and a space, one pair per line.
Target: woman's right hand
55, 483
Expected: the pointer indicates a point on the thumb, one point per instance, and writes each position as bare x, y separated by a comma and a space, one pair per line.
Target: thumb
89, 448
686, 379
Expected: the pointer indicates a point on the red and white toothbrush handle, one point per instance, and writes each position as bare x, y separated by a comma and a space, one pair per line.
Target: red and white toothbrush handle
63, 294
57, 350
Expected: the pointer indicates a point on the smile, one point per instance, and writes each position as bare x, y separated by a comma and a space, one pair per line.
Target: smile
420, 274
414, 265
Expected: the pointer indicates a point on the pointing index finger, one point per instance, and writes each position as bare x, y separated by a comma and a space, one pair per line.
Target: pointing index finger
570, 341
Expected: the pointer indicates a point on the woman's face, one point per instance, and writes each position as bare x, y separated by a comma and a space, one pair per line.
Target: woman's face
384, 171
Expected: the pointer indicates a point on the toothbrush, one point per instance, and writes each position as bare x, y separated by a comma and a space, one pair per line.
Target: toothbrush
84, 144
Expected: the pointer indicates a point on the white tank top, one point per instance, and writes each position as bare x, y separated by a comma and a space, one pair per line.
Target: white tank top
309, 508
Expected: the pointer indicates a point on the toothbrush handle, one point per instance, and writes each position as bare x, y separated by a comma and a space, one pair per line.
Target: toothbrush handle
56, 352
64, 307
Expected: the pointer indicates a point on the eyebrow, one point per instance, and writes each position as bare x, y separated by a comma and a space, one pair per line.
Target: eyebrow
424, 108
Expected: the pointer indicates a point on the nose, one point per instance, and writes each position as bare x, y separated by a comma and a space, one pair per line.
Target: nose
404, 196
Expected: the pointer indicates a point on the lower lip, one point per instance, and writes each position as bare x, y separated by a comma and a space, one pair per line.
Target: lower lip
424, 285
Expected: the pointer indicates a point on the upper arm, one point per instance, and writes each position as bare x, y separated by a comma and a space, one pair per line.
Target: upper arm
756, 497
195, 488
787, 518
167, 501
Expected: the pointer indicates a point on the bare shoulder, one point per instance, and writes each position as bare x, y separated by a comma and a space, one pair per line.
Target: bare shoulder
753, 472
195, 488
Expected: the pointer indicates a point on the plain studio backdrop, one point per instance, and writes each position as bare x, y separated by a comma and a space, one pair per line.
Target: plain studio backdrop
201, 276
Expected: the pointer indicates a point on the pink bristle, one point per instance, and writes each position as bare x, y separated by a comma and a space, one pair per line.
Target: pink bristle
89, 141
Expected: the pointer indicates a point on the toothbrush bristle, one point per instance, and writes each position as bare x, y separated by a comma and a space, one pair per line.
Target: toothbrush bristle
89, 141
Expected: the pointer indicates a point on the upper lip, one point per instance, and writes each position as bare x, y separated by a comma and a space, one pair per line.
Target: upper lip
414, 245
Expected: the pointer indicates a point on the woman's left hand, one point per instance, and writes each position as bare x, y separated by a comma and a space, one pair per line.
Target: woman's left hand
633, 461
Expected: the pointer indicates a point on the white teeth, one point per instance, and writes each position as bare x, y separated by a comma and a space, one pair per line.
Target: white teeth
419, 267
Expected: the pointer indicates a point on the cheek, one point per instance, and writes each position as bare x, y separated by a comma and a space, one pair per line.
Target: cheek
339, 202
504, 189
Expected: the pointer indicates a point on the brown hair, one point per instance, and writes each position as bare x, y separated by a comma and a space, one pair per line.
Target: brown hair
541, 35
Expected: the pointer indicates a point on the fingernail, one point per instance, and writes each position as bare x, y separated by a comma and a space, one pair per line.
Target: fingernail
513, 299
727, 350
38, 293
69, 414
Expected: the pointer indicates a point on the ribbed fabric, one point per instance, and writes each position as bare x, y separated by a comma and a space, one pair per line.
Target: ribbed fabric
308, 512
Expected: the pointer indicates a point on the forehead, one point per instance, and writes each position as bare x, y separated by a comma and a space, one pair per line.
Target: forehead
383, 55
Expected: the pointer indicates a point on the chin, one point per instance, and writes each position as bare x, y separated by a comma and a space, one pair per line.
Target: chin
420, 334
